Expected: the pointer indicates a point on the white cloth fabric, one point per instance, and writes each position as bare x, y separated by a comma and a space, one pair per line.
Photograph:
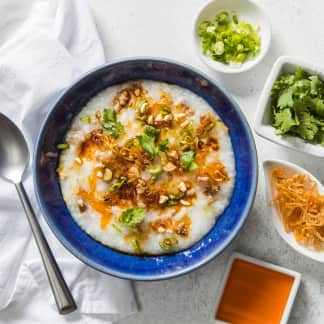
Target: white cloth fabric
44, 46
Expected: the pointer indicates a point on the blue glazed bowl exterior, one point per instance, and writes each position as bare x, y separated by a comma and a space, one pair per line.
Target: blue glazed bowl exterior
89, 250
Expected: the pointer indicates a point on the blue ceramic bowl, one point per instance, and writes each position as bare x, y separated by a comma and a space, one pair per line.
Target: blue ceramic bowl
89, 250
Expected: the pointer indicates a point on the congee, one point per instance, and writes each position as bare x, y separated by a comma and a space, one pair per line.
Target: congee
146, 168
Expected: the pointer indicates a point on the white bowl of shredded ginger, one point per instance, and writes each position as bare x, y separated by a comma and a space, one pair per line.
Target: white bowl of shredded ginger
231, 36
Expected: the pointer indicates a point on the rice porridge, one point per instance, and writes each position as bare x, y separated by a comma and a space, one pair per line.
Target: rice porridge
146, 168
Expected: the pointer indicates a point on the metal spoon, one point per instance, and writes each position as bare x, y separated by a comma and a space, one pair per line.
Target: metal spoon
14, 159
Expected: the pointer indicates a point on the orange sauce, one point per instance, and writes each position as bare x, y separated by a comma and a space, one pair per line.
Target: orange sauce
98, 205
254, 294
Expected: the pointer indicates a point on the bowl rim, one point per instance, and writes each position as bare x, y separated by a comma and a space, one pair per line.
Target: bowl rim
275, 217
262, 129
160, 276
223, 68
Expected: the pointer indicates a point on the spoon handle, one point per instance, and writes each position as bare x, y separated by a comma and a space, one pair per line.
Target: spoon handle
63, 298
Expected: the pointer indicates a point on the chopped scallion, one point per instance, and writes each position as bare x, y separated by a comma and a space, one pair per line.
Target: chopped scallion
168, 243
137, 246
116, 227
86, 119
226, 39
62, 146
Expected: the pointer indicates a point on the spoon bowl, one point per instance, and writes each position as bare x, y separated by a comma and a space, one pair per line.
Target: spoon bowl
14, 151
268, 165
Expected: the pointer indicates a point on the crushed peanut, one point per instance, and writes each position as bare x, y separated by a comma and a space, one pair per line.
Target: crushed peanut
173, 154
169, 167
179, 116
141, 186
161, 229
107, 174
182, 187
133, 173
163, 199
78, 160
150, 120
203, 179
167, 117
184, 202
158, 118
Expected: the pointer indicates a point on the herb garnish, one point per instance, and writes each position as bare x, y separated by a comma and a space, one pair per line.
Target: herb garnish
140, 106
226, 39
116, 227
151, 131
163, 145
110, 123
137, 246
187, 160
63, 146
156, 172
117, 185
86, 119
297, 102
133, 216
147, 141
168, 243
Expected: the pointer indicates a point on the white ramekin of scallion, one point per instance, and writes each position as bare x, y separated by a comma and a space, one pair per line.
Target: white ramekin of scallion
231, 36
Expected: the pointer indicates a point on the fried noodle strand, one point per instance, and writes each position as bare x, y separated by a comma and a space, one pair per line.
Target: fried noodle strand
300, 206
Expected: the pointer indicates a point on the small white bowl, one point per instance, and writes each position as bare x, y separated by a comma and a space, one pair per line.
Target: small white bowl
246, 10
262, 122
291, 273
278, 224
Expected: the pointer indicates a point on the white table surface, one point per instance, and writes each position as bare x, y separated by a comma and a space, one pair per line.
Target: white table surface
164, 29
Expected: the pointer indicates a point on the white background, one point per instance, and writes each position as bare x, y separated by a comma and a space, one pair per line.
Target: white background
164, 29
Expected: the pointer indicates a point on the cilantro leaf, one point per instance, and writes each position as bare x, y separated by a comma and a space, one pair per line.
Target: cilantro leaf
284, 82
300, 74
147, 143
133, 216
187, 160
151, 131
147, 140
320, 136
315, 85
283, 121
301, 89
110, 123
297, 102
109, 115
286, 99
163, 145
307, 127
316, 106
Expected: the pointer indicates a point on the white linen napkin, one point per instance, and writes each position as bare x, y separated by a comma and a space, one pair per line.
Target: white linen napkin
44, 46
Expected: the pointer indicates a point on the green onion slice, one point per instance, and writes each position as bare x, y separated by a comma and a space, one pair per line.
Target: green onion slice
62, 146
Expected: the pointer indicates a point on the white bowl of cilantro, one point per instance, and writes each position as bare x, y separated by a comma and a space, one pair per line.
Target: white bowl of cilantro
231, 36
290, 111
